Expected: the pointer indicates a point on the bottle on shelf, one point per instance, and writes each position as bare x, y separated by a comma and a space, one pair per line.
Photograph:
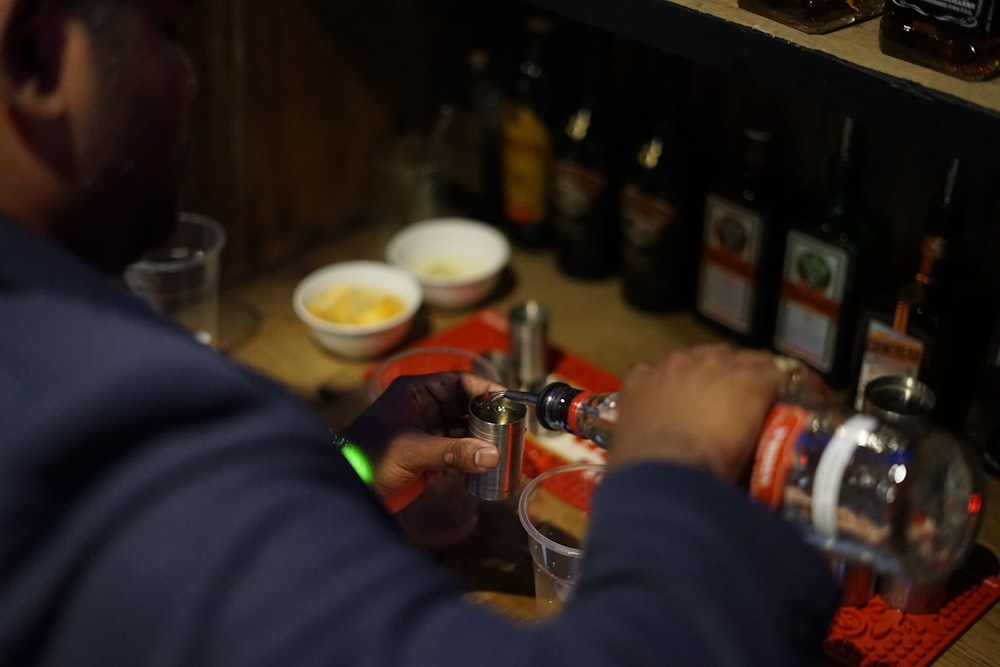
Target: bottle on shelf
829, 264
742, 245
961, 39
527, 134
935, 330
584, 193
815, 16
982, 423
837, 475
471, 166
658, 218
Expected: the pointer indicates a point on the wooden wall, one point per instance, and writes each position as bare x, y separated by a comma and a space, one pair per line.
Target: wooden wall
297, 95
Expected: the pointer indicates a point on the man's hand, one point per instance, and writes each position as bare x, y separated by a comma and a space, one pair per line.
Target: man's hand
415, 433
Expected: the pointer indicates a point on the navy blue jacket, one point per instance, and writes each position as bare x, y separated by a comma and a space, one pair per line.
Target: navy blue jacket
162, 506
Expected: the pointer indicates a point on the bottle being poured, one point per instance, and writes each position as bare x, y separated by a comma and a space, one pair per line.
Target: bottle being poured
561, 407
592, 415
856, 486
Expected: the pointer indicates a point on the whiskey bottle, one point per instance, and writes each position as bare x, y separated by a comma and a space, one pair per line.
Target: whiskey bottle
584, 202
658, 219
935, 332
828, 264
815, 16
528, 139
471, 147
961, 39
741, 246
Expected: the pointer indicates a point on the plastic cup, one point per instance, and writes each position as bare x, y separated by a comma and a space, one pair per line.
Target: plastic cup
429, 359
406, 183
555, 511
181, 278
445, 514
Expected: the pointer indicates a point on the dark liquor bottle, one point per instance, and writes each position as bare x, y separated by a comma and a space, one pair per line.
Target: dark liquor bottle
742, 243
982, 424
658, 218
527, 129
584, 194
958, 38
828, 263
471, 147
935, 332
815, 16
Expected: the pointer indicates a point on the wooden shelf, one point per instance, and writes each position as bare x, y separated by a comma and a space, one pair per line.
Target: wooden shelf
843, 70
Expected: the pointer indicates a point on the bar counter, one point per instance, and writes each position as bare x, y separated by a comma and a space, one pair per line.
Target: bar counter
588, 318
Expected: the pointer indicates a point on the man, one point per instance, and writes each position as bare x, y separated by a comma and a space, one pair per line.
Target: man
163, 506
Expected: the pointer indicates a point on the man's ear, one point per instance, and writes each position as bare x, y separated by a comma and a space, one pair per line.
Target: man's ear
32, 45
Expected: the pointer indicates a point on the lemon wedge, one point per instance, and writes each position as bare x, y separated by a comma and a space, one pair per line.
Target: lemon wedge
348, 304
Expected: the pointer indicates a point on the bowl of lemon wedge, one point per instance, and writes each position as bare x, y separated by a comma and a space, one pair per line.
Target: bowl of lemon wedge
358, 309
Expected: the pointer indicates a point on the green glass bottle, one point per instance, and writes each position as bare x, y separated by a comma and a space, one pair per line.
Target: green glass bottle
743, 238
829, 264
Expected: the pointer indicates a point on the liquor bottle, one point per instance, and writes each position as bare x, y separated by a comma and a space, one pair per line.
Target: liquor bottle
982, 424
471, 168
933, 332
837, 475
913, 337
829, 263
584, 194
658, 220
742, 246
957, 38
527, 129
815, 16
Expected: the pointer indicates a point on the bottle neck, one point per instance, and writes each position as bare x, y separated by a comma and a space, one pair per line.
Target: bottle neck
554, 406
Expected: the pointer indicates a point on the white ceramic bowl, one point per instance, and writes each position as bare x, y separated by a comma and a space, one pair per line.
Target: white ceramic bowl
458, 261
370, 280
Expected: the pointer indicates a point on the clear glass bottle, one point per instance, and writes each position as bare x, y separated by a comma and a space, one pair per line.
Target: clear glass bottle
905, 502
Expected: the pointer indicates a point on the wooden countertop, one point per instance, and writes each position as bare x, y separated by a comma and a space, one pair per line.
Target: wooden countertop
588, 318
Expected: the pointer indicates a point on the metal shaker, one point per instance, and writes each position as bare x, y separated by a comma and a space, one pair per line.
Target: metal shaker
529, 327
500, 421
529, 352
905, 403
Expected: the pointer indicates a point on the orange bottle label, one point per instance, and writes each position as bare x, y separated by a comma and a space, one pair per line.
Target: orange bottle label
773, 460
527, 159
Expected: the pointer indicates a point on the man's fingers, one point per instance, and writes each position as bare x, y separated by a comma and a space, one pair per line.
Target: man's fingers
419, 451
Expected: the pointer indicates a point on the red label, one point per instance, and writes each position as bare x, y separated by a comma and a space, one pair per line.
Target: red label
574, 411
774, 453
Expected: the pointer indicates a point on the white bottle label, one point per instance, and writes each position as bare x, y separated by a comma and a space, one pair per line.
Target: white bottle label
812, 293
886, 352
731, 247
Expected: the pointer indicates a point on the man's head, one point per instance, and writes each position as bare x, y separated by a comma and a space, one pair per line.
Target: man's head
94, 97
